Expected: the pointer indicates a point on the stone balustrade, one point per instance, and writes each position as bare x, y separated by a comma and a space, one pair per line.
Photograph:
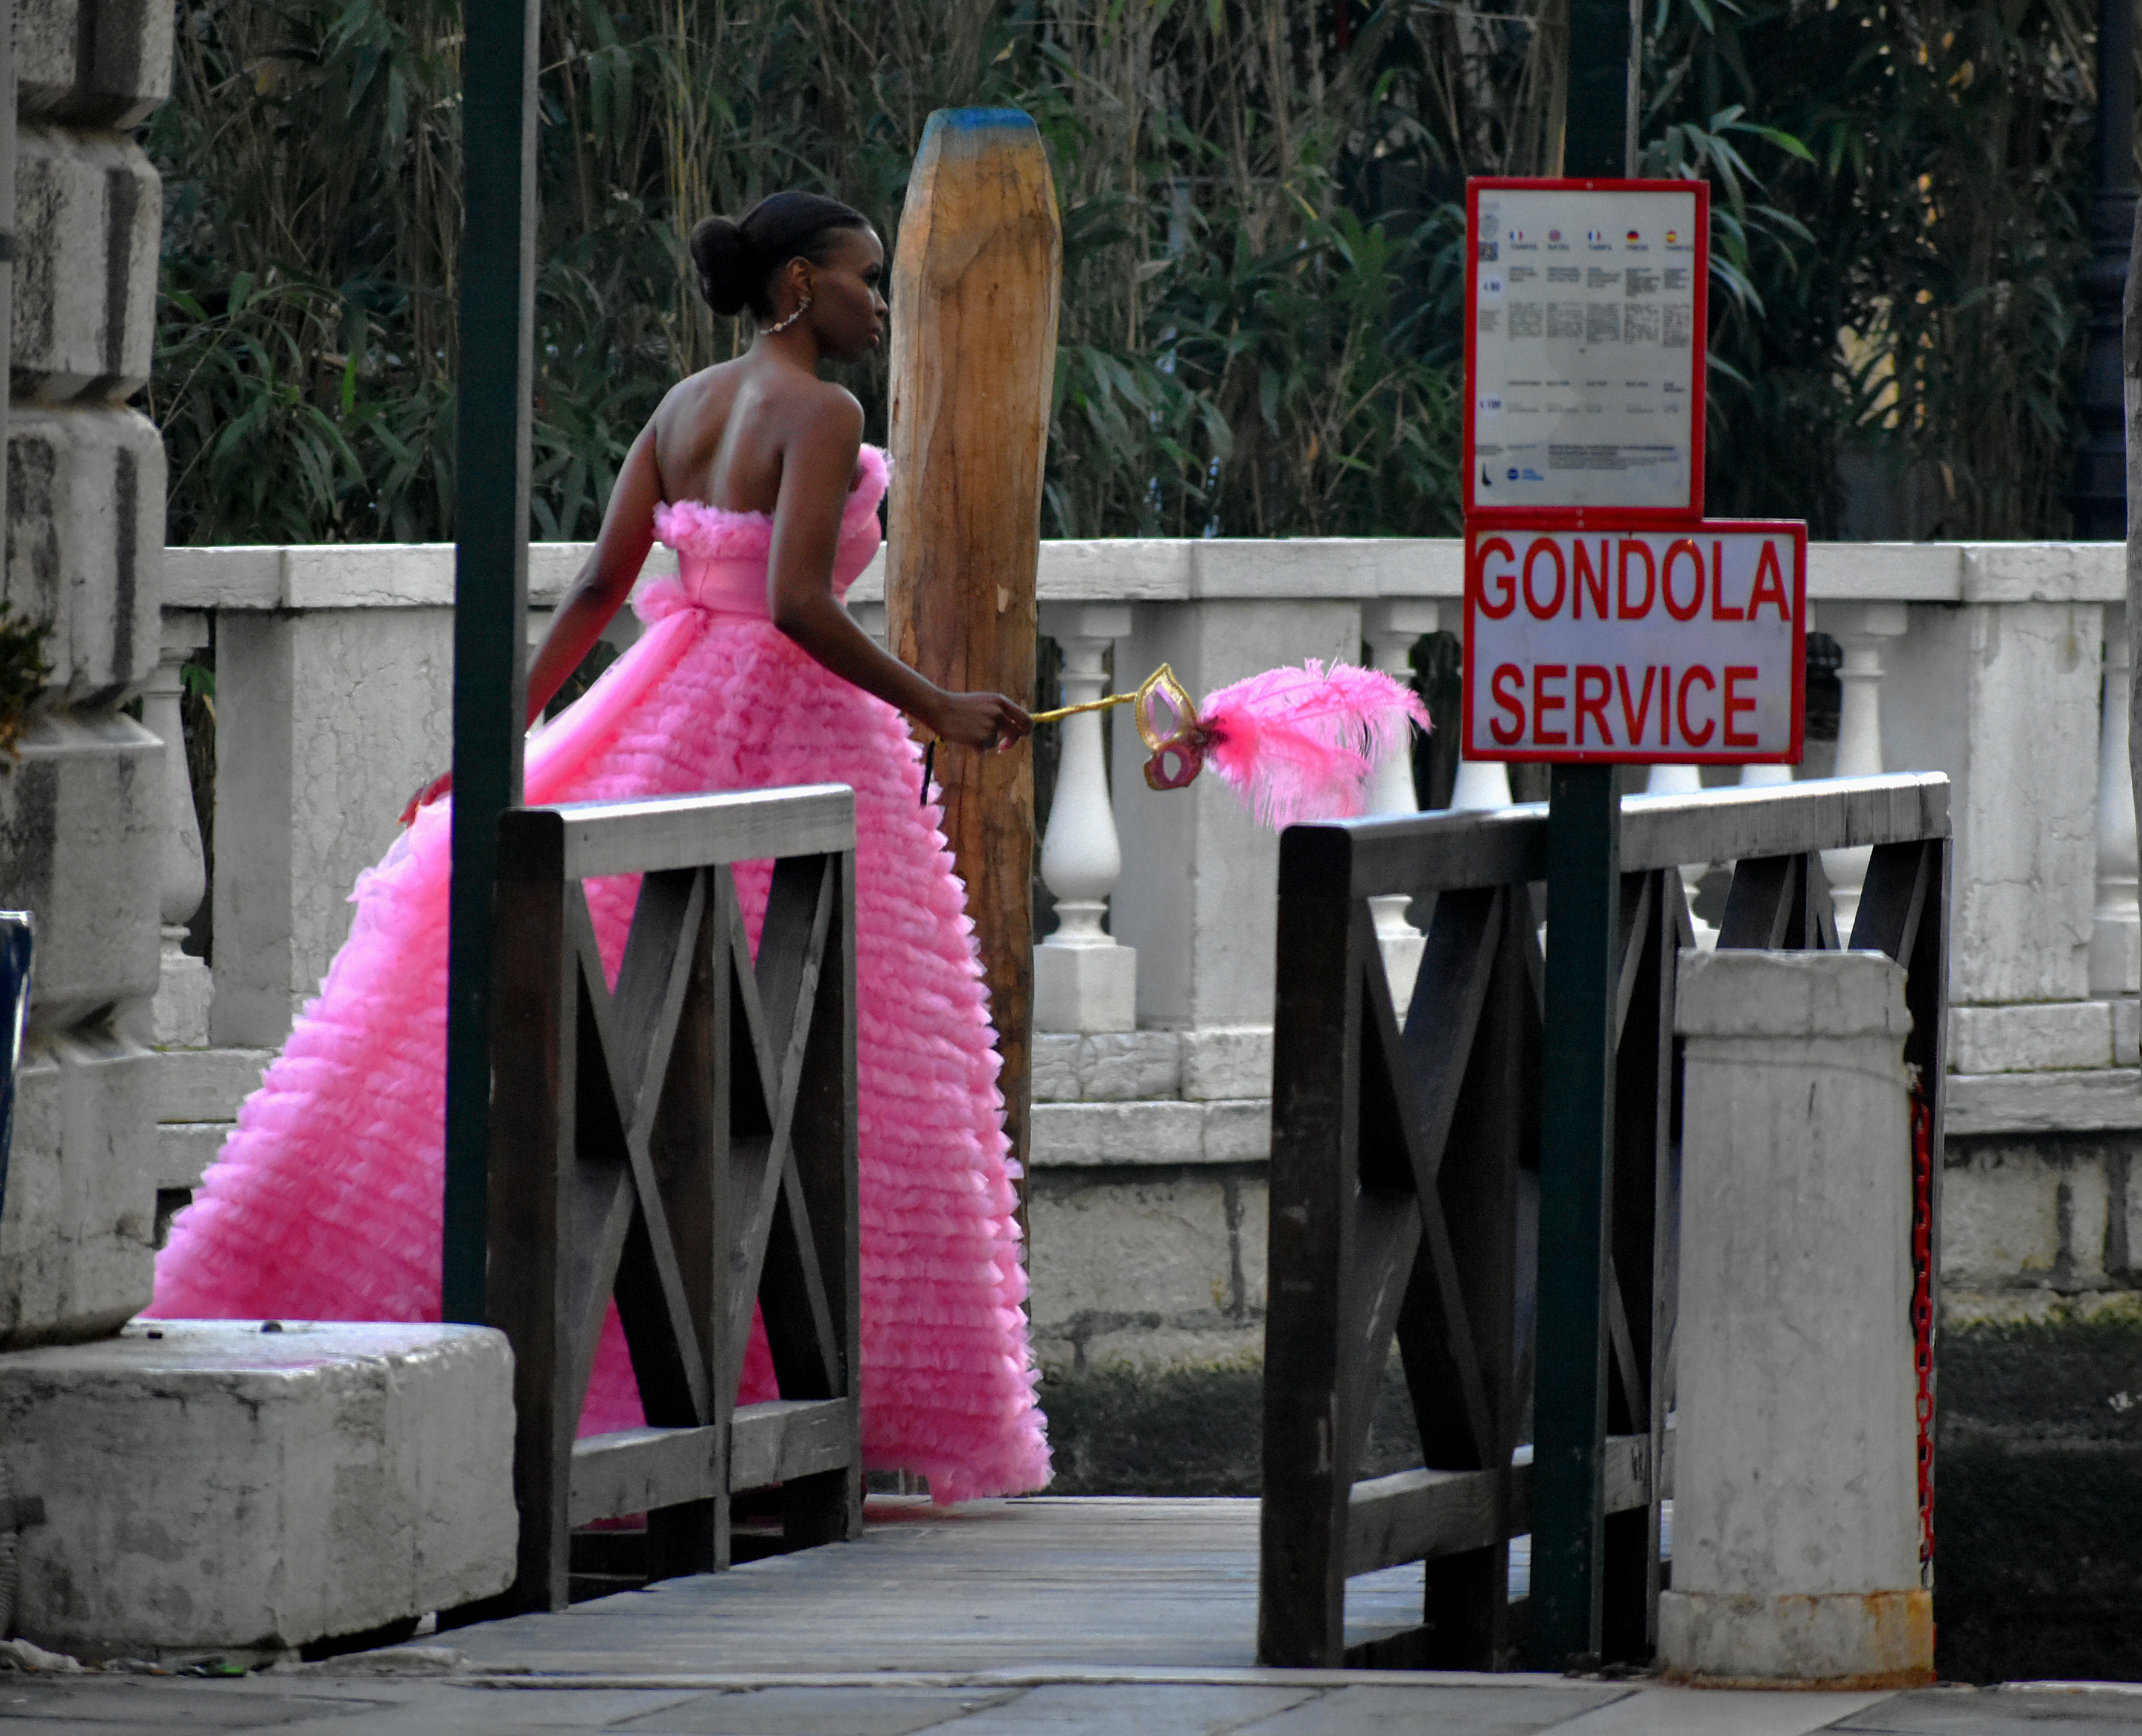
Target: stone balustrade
1153, 1061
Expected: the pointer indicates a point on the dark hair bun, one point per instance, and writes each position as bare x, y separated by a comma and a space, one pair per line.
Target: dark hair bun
736, 259
723, 257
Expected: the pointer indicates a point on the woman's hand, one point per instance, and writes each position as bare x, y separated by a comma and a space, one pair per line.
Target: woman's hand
439, 786
978, 719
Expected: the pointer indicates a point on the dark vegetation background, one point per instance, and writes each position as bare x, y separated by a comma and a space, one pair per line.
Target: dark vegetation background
1262, 320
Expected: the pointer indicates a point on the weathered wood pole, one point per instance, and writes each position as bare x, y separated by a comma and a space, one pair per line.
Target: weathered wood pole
975, 280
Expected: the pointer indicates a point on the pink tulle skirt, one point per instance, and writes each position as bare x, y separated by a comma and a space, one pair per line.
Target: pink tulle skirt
325, 1202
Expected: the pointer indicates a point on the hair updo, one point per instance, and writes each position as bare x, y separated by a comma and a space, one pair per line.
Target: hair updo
737, 260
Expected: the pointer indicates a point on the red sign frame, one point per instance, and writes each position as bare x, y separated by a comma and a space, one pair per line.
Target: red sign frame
1481, 527
1591, 517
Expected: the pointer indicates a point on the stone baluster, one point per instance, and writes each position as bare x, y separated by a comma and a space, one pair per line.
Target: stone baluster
183, 989
1391, 625
1085, 980
1480, 784
2116, 938
1863, 631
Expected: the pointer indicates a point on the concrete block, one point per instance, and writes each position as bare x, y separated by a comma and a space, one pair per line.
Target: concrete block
1054, 1065
2096, 1100
2000, 1219
91, 62
77, 1241
1227, 1061
1085, 988
85, 544
88, 212
184, 990
1156, 1248
2126, 1031
210, 1486
2024, 904
1238, 1130
2030, 1038
1796, 1524
1106, 1066
1087, 1134
207, 1084
327, 721
81, 845
184, 1150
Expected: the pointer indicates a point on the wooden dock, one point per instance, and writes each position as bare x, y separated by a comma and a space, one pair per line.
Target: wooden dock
1083, 1583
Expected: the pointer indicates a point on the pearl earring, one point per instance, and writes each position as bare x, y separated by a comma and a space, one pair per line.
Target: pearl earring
782, 325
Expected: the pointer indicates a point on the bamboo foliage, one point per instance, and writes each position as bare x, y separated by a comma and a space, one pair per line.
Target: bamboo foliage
1263, 256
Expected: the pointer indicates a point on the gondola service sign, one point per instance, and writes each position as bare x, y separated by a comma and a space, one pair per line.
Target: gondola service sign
1606, 618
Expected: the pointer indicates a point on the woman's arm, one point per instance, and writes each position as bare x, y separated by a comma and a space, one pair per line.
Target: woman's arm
817, 469
595, 595
599, 589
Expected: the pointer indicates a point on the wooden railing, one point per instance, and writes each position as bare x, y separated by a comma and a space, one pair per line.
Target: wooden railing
1395, 1183
686, 1144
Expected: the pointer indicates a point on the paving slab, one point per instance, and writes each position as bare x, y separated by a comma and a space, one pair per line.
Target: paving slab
2084, 1711
1263, 1703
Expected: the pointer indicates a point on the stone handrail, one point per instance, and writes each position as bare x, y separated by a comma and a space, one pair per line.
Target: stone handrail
1983, 660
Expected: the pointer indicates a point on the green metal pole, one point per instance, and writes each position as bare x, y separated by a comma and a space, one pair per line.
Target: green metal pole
1576, 1128
497, 318
1569, 1406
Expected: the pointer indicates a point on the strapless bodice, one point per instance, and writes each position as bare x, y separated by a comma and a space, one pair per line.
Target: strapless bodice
722, 555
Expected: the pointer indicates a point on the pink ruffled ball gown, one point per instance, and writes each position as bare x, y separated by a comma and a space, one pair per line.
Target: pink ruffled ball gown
325, 1201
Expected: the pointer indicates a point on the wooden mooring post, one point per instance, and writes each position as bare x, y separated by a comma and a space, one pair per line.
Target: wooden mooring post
975, 283
685, 1144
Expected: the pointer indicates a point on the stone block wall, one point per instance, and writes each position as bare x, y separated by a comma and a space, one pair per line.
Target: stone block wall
82, 808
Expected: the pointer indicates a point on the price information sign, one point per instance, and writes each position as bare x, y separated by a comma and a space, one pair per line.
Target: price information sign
1678, 645
1584, 347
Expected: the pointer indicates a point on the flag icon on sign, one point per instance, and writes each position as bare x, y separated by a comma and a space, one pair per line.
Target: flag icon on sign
1672, 237
1633, 237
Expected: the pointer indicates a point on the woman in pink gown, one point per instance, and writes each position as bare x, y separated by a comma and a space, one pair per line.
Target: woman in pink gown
325, 1202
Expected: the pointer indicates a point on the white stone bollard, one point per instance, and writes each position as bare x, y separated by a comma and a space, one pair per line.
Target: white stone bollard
1085, 980
1796, 1520
208, 1486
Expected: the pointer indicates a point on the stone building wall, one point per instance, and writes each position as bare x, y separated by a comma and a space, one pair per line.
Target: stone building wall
82, 808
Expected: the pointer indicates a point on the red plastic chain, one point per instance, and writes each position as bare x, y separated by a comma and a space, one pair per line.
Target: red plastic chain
1922, 1311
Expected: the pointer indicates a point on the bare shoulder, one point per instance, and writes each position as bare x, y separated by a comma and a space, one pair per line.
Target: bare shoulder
825, 411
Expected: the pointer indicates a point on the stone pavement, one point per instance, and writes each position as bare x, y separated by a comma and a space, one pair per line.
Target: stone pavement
1027, 1618
1245, 1702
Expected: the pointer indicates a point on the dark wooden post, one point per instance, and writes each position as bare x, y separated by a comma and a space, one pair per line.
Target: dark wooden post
1309, 1421
490, 581
1577, 1129
532, 1222
976, 281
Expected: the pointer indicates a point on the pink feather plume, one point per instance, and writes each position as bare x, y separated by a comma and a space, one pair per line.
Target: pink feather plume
1301, 744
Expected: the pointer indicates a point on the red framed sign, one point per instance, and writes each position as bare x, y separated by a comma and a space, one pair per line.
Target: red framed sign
1674, 644
1585, 332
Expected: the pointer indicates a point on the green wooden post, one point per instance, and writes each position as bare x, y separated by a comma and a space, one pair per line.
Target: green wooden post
490, 581
1577, 1128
